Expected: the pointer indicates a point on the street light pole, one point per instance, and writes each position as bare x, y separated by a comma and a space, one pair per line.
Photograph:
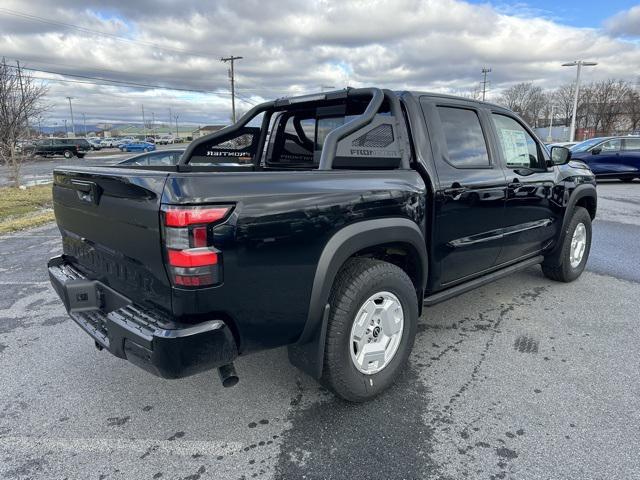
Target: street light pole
73, 127
84, 122
549, 138
579, 64
177, 136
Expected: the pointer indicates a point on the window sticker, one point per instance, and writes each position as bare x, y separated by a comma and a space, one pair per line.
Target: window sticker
514, 145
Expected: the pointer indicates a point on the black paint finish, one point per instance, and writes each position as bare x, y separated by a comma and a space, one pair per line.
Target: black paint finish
291, 230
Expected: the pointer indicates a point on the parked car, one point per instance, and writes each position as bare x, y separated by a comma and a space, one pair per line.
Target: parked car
121, 144
109, 142
562, 144
162, 157
327, 234
94, 144
165, 140
67, 147
610, 157
138, 147
24, 146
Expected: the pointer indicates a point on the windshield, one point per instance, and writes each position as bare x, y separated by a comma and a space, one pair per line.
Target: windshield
586, 145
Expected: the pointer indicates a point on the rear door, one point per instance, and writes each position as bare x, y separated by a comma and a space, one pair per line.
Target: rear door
531, 218
110, 224
469, 203
631, 154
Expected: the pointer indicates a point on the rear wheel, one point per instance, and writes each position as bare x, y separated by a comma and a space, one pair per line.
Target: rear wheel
371, 329
67, 154
568, 261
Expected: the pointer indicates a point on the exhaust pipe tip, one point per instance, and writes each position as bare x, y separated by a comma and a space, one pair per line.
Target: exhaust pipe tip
228, 375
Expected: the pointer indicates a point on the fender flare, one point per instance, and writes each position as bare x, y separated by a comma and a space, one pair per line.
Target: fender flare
581, 191
308, 352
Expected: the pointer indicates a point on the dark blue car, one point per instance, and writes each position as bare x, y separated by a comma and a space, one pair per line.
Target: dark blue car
610, 157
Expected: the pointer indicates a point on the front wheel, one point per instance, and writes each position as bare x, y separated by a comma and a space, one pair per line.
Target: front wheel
67, 154
371, 328
147, 149
568, 261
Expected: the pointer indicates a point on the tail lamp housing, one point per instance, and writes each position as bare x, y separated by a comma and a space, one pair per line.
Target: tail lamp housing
192, 259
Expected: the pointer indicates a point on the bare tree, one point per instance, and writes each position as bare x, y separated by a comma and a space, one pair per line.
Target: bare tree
632, 109
563, 99
525, 99
606, 104
21, 101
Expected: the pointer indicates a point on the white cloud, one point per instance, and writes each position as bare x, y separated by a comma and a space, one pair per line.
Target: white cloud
626, 23
292, 46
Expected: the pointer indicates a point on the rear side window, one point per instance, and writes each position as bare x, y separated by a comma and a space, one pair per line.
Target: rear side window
466, 145
631, 144
294, 142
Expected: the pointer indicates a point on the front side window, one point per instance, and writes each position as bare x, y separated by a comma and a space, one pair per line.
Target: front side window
519, 148
610, 146
466, 145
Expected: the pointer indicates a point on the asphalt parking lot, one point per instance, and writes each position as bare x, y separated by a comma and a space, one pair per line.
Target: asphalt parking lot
522, 379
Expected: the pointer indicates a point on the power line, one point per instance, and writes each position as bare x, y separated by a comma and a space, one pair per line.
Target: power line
35, 18
115, 82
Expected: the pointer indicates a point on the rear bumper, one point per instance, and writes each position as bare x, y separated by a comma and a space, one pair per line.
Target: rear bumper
145, 337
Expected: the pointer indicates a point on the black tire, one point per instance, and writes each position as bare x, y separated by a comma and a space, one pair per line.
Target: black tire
67, 154
557, 266
357, 281
80, 155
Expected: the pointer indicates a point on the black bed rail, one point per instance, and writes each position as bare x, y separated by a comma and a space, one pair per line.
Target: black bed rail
331, 141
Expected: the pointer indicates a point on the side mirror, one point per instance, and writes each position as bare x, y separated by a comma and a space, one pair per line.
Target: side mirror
560, 155
596, 151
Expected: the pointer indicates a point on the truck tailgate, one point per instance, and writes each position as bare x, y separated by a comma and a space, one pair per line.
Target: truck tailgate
110, 224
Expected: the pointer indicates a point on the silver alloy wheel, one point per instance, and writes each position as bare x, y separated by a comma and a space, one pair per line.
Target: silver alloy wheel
376, 332
578, 245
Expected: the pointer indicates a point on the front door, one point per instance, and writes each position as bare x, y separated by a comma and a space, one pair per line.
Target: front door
605, 159
469, 202
531, 218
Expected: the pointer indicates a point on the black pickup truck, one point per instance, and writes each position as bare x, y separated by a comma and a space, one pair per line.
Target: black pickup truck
324, 223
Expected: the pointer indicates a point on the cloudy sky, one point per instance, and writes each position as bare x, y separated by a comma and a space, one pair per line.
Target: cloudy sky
292, 47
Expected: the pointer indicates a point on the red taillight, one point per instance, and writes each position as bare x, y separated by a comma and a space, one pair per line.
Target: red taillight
195, 257
183, 217
192, 259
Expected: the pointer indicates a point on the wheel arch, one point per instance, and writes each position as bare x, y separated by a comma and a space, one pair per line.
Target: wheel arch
366, 238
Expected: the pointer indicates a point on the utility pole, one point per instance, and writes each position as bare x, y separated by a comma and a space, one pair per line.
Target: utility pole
153, 125
84, 122
73, 127
232, 59
484, 82
144, 125
579, 64
177, 135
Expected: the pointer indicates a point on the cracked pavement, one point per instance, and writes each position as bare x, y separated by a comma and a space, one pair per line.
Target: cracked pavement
522, 378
